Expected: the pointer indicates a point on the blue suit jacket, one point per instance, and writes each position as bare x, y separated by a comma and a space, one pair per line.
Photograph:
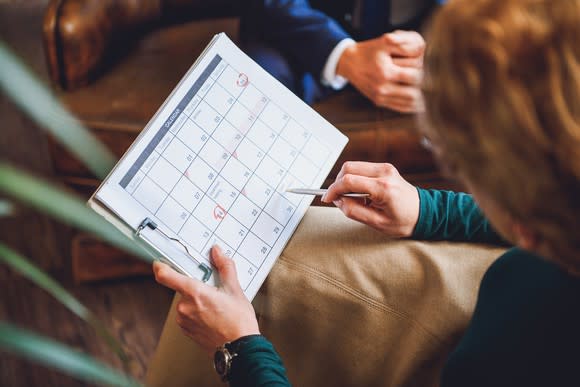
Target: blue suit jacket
304, 31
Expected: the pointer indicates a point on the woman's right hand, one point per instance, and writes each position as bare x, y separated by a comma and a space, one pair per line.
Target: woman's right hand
393, 203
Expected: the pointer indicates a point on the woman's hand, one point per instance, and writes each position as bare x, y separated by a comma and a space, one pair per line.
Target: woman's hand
211, 316
393, 204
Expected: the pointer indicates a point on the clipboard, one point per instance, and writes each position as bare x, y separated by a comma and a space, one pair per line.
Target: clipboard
213, 165
139, 235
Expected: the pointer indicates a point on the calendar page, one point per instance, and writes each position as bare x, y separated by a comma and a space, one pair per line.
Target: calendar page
213, 165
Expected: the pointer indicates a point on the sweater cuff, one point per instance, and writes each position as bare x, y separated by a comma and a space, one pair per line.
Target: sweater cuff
256, 362
425, 214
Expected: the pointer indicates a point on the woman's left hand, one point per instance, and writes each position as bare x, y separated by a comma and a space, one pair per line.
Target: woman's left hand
208, 315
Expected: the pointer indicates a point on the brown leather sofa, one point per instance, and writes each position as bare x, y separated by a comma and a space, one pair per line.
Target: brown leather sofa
115, 61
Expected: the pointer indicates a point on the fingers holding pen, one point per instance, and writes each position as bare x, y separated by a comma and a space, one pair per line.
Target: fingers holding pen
364, 168
356, 209
361, 177
350, 183
392, 205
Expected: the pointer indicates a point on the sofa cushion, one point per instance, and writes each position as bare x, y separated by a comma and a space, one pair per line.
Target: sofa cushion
346, 306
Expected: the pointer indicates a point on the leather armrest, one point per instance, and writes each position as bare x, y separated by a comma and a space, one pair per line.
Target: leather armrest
49, 35
82, 37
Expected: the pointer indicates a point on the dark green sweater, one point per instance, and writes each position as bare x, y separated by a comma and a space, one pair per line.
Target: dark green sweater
525, 330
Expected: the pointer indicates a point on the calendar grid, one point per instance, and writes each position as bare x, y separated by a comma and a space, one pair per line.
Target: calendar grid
210, 136
221, 100
244, 136
252, 279
261, 212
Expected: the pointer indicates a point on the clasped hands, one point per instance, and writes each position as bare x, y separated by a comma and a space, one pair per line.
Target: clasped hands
213, 316
387, 70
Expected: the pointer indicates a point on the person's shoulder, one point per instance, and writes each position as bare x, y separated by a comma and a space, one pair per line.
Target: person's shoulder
526, 271
524, 330
539, 297
517, 260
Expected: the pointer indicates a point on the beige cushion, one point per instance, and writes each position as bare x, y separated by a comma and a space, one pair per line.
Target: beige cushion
345, 306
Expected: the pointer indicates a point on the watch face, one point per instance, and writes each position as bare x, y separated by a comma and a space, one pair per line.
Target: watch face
220, 362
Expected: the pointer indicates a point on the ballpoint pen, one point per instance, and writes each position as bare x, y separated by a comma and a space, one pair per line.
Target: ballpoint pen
321, 192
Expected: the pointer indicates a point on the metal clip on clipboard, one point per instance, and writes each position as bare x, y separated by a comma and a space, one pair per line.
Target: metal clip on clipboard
147, 222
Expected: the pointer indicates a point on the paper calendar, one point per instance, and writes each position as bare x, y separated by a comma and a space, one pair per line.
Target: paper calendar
213, 165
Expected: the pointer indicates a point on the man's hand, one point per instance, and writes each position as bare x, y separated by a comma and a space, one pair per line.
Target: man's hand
393, 204
387, 69
211, 316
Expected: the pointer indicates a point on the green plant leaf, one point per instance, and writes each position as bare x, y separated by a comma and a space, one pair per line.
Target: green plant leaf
30, 94
25, 268
65, 206
53, 354
21, 265
6, 208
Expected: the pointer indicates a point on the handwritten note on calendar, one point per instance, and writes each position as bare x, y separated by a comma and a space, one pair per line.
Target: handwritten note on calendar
213, 165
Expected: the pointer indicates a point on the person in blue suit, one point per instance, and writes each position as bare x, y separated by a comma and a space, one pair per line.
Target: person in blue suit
316, 47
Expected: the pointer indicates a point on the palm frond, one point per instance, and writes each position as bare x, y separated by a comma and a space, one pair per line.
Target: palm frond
55, 355
64, 206
25, 268
33, 97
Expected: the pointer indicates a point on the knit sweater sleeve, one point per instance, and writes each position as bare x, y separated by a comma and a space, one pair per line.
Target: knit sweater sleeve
454, 216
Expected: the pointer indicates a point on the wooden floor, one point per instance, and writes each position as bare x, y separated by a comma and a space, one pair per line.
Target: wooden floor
134, 309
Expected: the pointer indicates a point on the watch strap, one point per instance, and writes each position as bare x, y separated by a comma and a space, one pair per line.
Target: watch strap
227, 353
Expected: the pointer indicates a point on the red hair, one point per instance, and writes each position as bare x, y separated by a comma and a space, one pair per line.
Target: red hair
502, 92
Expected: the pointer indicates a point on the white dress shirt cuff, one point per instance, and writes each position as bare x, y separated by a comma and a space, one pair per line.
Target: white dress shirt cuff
329, 76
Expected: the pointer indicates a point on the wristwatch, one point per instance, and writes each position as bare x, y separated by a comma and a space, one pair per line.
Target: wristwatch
225, 354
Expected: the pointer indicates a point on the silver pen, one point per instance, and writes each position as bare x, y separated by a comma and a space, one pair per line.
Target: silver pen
321, 192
